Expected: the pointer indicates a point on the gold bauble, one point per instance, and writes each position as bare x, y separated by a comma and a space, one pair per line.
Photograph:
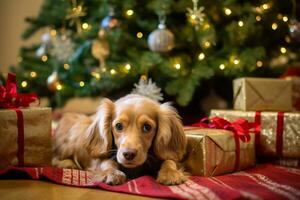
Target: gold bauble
161, 40
100, 49
53, 81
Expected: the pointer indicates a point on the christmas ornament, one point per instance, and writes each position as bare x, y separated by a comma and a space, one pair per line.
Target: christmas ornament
75, 13
45, 43
148, 88
100, 49
53, 81
161, 39
196, 15
110, 21
62, 47
294, 29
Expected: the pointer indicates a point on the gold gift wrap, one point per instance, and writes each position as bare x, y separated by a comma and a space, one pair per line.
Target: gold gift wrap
262, 94
211, 152
267, 147
37, 137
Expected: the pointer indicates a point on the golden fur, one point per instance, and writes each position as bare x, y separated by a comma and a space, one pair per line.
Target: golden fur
134, 123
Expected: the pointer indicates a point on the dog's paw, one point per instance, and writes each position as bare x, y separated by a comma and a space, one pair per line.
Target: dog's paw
171, 177
111, 177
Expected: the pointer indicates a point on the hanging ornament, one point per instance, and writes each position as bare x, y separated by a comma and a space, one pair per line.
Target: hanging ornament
45, 43
162, 39
62, 47
196, 15
110, 21
294, 29
74, 14
100, 49
53, 81
147, 88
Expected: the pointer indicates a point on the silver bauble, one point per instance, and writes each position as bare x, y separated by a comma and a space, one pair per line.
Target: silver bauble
161, 39
41, 51
294, 29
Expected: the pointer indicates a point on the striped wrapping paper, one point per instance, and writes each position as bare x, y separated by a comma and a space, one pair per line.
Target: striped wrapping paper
262, 182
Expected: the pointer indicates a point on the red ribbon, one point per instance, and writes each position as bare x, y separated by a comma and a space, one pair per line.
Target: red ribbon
240, 129
11, 99
279, 133
257, 130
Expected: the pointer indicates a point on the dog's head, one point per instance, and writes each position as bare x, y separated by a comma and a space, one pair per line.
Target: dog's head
136, 124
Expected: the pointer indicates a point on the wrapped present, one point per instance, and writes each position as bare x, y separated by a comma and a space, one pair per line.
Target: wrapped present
25, 132
279, 133
213, 150
295, 91
262, 94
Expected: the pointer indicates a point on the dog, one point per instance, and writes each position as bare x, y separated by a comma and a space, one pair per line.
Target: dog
130, 129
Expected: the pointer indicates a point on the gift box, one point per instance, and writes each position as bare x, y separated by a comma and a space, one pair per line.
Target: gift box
279, 133
25, 132
295, 91
266, 94
212, 152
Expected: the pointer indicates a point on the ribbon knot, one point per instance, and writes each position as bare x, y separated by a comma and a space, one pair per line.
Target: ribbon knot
10, 98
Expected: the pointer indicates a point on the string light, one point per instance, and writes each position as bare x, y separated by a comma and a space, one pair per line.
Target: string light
113, 72
236, 61
259, 63
127, 66
274, 26
33, 74
227, 11
287, 39
283, 50
44, 58
177, 66
222, 67
206, 44
129, 12
285, 18
81, 83
58, 86
201, 56
139, 35
19, 59
53, 32
85, 26
96, 75
66, 66
241, 23
265, 6
258, 18
24, 84
279, 16
206, 26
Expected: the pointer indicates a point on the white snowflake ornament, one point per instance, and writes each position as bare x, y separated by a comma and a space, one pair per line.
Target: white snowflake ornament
62, 47
147, 88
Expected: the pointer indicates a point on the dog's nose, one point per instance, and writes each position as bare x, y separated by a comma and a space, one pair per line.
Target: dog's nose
129, 154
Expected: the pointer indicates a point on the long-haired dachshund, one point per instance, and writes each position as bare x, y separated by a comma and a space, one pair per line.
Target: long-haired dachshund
133, 134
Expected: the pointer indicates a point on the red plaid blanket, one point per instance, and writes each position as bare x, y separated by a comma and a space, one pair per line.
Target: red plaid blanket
263, 182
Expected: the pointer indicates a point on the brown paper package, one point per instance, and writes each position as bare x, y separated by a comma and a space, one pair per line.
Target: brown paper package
37, 137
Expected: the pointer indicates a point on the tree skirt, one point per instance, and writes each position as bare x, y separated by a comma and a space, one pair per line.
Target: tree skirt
262, 182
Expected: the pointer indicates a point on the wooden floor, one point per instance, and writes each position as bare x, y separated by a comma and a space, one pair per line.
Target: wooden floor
42, 190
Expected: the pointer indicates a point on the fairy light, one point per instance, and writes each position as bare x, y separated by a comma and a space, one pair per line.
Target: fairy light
177, 66
44, 58
285, 18
53, 32
274, 26
258, 18
222, 67
265, 6
58, 86
81, 83
96, 75
33, 74
19, 59
206, 26
128, 66
206, 44
113, 72
85, 26
279, 16
201, 56
236, 61
287, 39
139, 35
24, 84
241, 23
283, 50
259, 63
66, 66
129, 12
227, 11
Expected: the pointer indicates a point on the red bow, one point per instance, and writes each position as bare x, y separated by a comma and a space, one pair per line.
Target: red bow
240, 127
10, 98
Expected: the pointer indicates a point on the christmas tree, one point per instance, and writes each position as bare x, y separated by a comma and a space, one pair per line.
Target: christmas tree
188, 48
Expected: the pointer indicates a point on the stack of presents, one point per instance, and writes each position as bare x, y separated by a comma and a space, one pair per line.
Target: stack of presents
263, 124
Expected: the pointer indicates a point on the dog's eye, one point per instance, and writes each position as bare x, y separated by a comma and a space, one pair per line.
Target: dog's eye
146, 128
119, 127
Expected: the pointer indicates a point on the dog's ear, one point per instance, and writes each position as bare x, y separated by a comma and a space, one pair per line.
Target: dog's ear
170, 141
99, 135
